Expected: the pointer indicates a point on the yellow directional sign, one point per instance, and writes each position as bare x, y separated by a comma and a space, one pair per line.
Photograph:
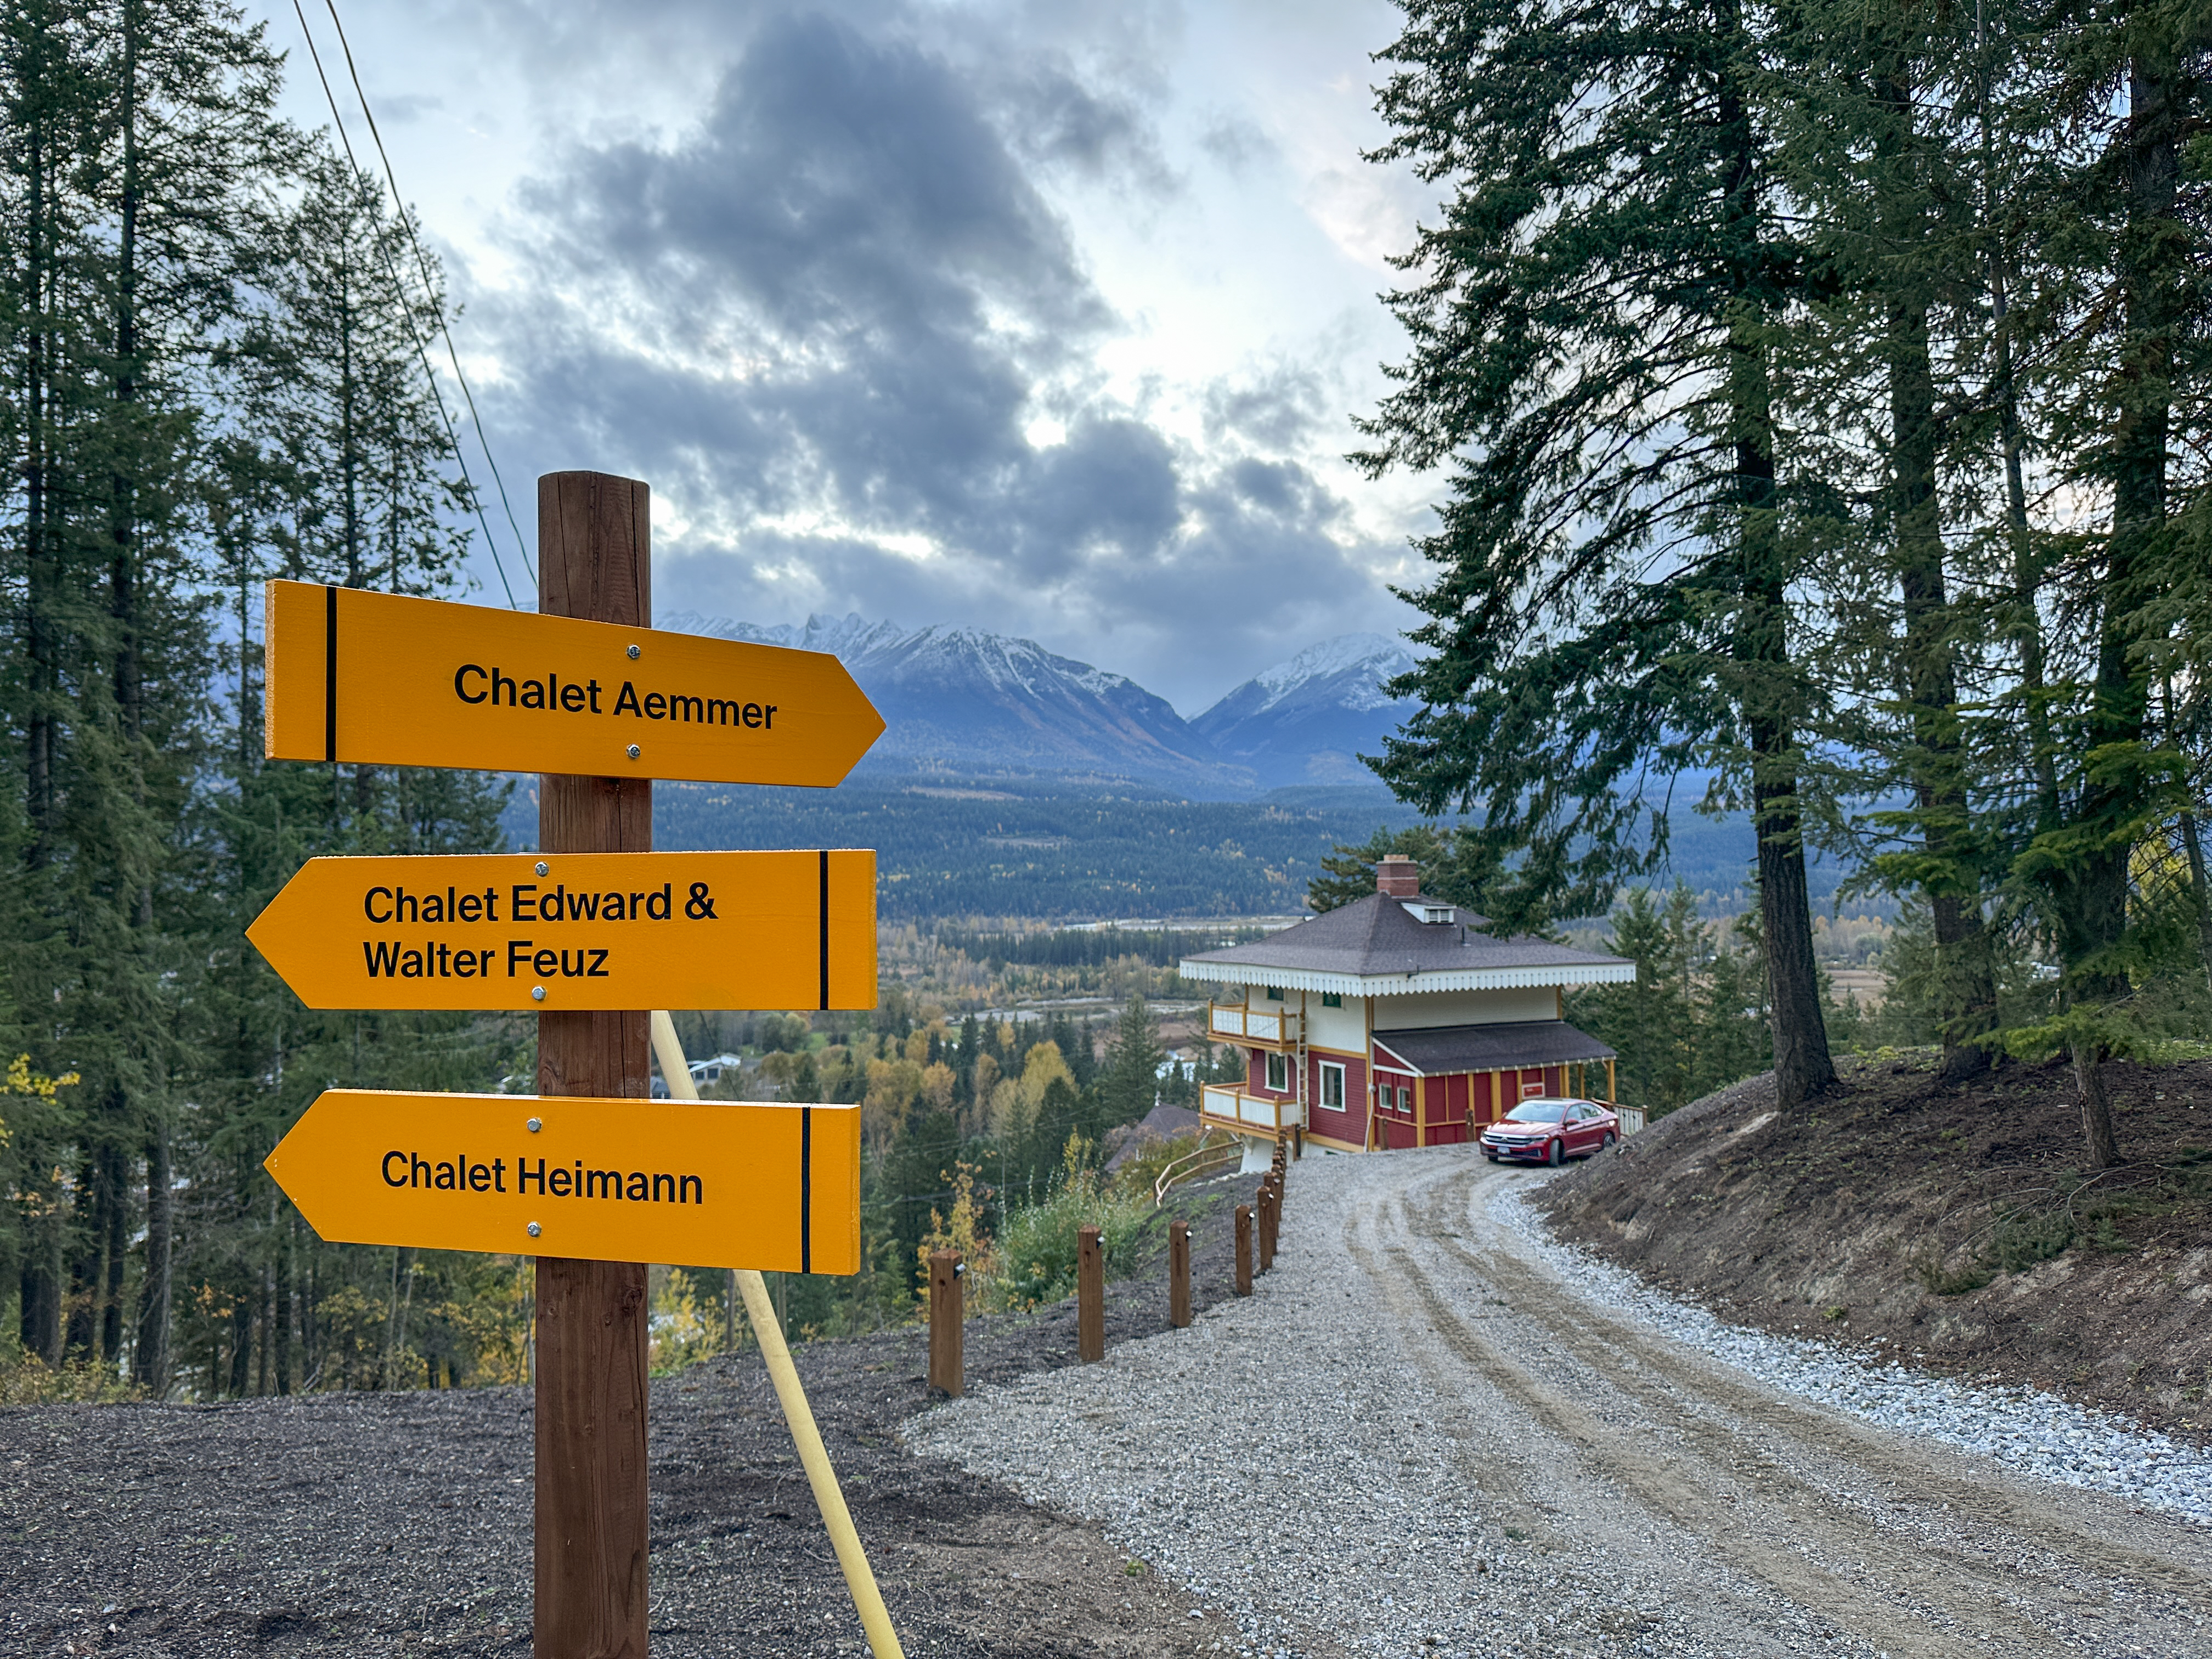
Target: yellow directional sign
767, 1187
383, 680
544, 931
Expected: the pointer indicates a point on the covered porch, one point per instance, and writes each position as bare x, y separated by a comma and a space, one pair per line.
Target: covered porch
1438, 1085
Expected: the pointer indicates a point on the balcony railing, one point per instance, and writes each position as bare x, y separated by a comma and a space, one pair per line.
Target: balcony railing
1230, 1108
1267, 1027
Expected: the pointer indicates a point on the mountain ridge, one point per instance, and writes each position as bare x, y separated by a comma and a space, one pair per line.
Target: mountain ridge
962, 698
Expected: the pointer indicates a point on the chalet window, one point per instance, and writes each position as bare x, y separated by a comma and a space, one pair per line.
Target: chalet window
1279, 1073
1332, 1085
1331, 1000
1274, 993
1406, 1098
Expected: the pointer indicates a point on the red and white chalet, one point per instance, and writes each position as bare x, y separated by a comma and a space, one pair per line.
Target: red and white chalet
1398, 1021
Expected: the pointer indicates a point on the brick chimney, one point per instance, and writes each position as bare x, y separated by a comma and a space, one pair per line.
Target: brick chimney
1400, 878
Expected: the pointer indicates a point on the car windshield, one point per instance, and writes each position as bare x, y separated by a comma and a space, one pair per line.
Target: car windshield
1537, 1111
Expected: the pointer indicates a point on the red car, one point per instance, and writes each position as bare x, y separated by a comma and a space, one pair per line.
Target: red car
1549, 1131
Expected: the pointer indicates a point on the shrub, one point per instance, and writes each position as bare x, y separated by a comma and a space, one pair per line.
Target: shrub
1035, 1259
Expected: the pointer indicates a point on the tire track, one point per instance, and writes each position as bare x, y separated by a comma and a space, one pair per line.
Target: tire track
1775, 1490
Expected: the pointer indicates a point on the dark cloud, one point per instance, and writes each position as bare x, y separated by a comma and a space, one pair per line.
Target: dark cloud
821, 322
1279, 411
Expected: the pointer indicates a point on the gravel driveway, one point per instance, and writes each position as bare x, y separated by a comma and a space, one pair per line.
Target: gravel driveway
1430, 1432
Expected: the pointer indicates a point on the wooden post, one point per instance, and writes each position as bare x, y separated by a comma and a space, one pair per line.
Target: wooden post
1267, 1225
944, 1322
1090, 1296
594, 560
1179, 1274
1243, 1249
1297, 1141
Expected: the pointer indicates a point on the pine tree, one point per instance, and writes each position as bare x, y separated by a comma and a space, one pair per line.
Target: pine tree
1128, 1085
1592, 326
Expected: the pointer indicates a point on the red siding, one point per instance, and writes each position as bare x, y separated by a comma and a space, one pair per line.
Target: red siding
1351, 1123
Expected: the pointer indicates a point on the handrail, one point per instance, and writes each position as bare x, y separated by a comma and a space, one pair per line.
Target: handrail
1175, 1172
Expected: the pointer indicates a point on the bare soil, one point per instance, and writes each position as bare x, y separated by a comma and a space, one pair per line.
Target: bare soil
401, 1523
1954, 1228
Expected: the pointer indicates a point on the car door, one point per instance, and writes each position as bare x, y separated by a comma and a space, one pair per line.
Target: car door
1583, 1132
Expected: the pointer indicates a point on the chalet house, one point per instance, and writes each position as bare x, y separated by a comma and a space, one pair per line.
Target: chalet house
1396, 1021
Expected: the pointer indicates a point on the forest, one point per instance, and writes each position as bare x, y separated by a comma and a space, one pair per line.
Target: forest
1818, 399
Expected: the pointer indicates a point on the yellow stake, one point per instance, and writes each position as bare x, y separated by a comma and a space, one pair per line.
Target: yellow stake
859, 1579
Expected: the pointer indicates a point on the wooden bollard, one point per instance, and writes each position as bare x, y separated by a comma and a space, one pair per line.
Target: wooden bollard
1090, 1296
1243, 1249
1267, 1225
1297, 1141
944, 1322
1179, 1274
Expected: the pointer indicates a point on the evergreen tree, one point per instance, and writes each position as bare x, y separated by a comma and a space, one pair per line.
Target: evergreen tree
1128, 1086
1592, 326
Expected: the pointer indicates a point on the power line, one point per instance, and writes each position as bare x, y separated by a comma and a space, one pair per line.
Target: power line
467, 395
421, 347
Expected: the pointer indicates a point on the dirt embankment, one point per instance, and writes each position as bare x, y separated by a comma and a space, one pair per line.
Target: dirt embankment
361, 1524
1954, 1229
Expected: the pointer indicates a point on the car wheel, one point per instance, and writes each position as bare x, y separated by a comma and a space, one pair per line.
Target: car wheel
1559, 1152
1608, 1140
1492, 1157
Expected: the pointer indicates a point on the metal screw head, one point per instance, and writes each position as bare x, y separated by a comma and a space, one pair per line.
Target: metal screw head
543, 868
632, 654
536, 1124
634, 751
533, 1230
538, 993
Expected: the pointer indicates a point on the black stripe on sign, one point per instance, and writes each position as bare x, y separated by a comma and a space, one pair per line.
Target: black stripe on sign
330, 673
826, 927
806, 1189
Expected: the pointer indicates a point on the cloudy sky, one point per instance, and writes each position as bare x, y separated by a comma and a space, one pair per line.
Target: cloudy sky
1046, 319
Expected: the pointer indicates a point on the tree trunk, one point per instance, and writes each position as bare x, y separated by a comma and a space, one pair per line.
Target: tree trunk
116, 1179
1966, 980
2093, 901
152, 1366
2096, 1106
1766, 693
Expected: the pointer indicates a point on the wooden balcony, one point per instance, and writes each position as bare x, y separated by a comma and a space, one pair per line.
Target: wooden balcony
1270, 1026
1224, 1106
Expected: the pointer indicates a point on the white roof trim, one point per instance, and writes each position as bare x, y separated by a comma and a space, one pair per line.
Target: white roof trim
1399, 985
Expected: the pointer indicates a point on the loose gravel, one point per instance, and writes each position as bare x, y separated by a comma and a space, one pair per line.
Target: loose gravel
1434, 1430
2037, 1433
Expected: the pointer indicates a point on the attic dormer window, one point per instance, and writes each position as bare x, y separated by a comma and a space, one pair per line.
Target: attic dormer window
1432, 913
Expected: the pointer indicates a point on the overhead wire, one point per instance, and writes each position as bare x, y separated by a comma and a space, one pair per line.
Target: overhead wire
421, 346
423, 262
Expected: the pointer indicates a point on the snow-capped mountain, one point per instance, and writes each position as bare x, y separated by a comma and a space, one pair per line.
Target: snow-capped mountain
964, 698
1309, 719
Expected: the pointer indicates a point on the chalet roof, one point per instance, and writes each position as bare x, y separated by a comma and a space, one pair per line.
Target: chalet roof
1377, 946
1447, 1050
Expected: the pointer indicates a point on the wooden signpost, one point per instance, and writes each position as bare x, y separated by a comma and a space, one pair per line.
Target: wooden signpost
593, 932
741, 1185
531, 932
387, 680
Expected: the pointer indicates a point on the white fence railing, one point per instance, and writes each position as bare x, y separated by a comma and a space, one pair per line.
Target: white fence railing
1631, 1119
1261, 1114
1241, 1024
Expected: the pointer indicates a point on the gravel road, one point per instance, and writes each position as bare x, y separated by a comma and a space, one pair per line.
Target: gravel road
1430, 1431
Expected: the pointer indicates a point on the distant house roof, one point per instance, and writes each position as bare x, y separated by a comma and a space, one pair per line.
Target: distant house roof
1380, 946
1447, 1050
